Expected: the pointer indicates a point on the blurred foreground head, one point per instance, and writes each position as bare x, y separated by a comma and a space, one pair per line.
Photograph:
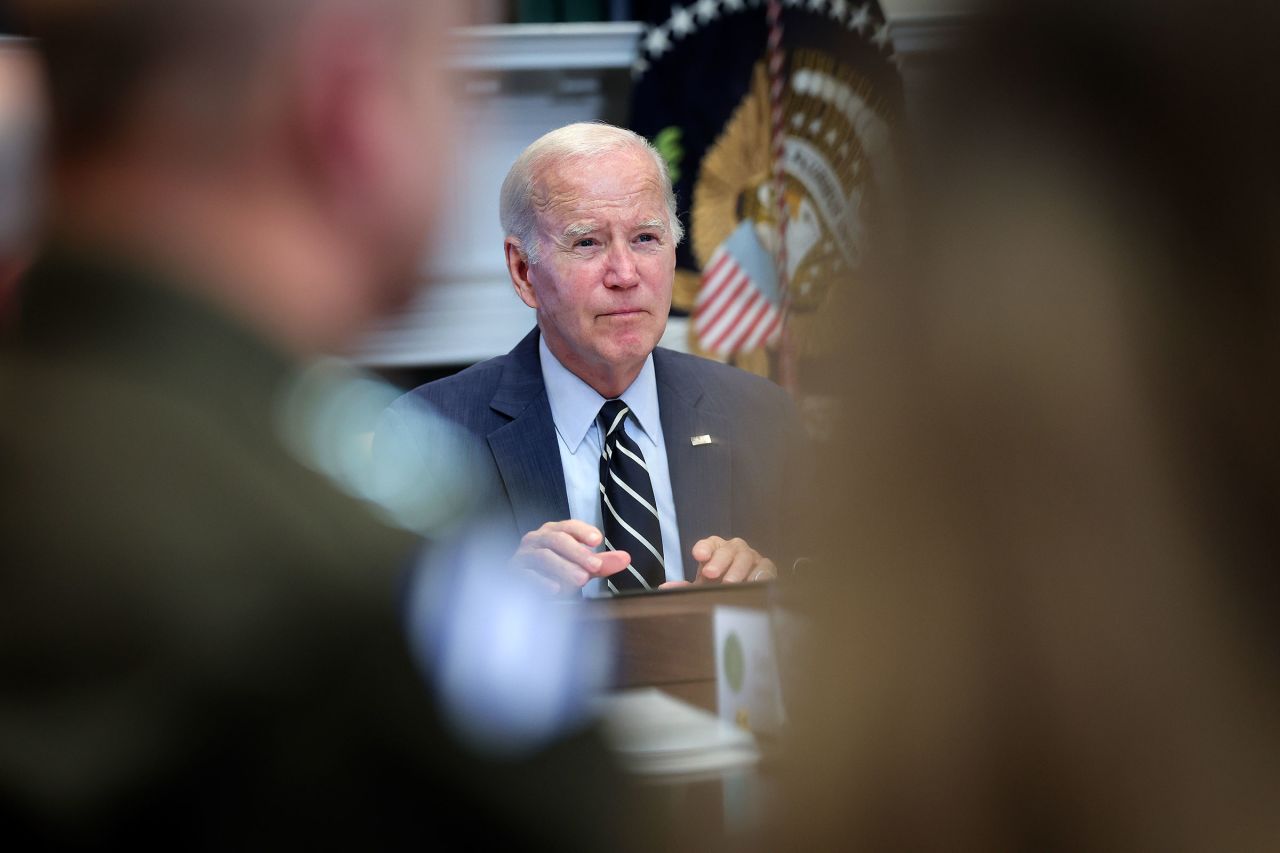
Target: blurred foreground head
1049, 615
287, 151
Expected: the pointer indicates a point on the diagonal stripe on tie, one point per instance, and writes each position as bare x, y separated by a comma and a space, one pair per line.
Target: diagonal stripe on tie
630, 568
644, 503
636, 535
635, 476
634, 458
630, 490
622, 414
628, 509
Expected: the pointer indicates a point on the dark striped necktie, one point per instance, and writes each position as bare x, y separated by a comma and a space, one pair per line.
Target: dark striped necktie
627, 507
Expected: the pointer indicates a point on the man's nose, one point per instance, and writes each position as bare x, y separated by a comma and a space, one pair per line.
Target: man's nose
621, 271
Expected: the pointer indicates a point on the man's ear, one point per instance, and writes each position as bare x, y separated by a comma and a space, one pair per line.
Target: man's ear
518, 267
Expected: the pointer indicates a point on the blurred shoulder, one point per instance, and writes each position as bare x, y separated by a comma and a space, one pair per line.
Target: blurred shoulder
473, 381
461, 397
140, 476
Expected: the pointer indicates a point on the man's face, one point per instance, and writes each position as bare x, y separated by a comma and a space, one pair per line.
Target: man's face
602, 286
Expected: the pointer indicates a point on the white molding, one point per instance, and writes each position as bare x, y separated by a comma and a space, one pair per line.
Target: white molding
526, 47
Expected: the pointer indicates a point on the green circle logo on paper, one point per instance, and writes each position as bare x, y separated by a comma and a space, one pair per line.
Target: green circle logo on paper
735, 662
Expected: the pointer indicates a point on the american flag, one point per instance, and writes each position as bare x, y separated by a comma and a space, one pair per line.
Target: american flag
737, 305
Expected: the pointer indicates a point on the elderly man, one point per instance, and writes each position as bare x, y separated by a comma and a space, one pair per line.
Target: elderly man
593, 436
201, 641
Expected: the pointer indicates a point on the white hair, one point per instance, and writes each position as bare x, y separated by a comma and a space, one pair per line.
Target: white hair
585, 140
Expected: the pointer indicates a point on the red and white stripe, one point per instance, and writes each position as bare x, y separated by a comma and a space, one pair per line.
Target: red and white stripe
731, 314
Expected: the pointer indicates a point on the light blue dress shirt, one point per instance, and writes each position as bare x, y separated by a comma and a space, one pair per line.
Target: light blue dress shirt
574, 407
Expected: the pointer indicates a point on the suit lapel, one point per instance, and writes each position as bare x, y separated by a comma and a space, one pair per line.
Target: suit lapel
526, 449
701, 474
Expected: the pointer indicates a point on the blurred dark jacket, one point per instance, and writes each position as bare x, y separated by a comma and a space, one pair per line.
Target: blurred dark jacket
199, 636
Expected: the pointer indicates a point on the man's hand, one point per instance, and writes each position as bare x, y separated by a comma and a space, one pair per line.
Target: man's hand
728, 561
559, 554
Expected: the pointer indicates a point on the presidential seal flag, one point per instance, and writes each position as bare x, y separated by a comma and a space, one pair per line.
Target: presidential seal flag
778, 123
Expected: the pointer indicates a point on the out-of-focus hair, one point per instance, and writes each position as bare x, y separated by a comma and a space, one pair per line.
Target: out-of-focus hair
197, 60
102, 57
582, 141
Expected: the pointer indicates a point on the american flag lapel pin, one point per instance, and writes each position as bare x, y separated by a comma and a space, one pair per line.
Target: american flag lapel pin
697, 440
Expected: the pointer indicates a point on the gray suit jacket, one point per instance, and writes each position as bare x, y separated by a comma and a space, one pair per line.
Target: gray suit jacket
738, 485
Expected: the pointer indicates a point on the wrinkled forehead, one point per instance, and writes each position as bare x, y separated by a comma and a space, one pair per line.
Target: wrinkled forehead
613, 183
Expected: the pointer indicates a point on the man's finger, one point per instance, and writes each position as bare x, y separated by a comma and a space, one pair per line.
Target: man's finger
553, 566
612, 562
559, 569
585, 533
560, 541
673, 584
704, 548
715, 567
765, 570
743, 562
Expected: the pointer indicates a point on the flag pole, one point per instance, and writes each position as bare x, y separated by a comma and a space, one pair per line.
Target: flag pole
777, 129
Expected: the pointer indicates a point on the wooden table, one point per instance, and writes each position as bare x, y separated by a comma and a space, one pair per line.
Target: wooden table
665, 639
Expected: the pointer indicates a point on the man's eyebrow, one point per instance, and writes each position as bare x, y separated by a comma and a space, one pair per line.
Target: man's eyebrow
579, 229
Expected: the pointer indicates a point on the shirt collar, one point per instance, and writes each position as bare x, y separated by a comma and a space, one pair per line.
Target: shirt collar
575, 404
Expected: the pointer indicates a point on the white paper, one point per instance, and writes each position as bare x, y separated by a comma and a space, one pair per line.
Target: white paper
653, 733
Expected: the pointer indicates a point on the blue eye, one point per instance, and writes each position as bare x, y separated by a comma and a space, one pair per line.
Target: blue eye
647, 238
586, 242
